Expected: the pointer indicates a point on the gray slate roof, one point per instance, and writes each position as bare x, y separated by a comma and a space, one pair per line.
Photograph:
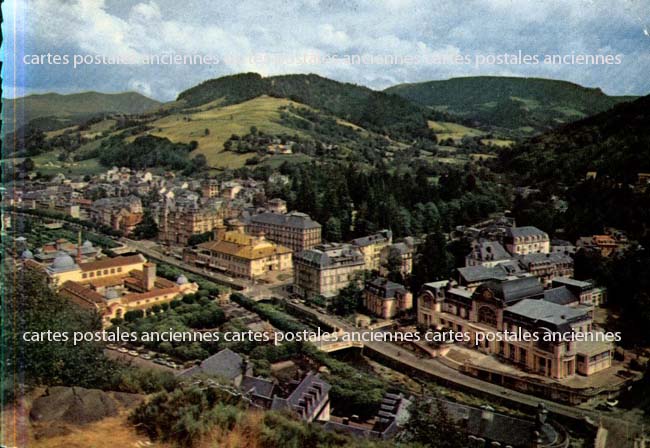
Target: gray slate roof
553, 257
549, 313
225, 364
293, 219
486, 250
257, 386
382, 235
326, 255
525, 231
510, 291
560, 295
497, 427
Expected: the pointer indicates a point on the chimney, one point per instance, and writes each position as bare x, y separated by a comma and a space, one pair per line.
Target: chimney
79, 248
219, 233
149, 276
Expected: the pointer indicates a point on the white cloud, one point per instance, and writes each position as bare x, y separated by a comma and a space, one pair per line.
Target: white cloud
399, 27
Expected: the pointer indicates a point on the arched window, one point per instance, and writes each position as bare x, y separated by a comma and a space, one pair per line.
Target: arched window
487, 315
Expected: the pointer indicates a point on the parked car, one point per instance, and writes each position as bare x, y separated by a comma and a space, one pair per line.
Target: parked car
123, 350
133, 353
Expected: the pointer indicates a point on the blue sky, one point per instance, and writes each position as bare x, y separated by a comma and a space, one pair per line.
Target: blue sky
425, 31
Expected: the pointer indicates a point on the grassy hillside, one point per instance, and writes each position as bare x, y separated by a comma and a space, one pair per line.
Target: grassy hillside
523, 105
51, 110
362, 106
221, 122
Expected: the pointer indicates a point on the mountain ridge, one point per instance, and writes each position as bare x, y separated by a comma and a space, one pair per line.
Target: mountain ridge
72, 106
524, 104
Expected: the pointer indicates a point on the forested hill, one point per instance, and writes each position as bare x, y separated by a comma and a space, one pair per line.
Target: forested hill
370, 109
615, 144
524, 105
59, 109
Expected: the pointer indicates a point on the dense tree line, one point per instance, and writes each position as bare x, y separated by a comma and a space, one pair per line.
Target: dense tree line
148, 151
352, 200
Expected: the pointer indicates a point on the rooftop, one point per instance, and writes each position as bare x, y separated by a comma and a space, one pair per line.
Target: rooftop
225, 364
547, 312
292, 219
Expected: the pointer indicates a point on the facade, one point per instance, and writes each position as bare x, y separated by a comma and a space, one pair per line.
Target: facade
526, 240
178, 221
120, 213
209, 188
240, 255
372, 246
605, 244
326, 268
294, 230
277, 205
519, 306
386, 299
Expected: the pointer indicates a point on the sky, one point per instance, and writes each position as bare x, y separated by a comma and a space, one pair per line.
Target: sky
393, 41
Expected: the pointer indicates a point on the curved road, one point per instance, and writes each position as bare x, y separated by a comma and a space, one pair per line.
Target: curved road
436, 369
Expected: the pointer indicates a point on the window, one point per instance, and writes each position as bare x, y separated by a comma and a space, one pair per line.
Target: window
487, 315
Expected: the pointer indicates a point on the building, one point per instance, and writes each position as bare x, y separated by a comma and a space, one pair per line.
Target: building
209, 188
121, 213
309, 399
487, 253
526, 240
179, 220
392, 415
473, 276
111, 286
226, 365
606, 245
294, 230
404, 250
326, 268
371, 247
80, 252
277, 205
386, 299
547, 266
259, 391
518, 306
240, 255
484, 427
586, 291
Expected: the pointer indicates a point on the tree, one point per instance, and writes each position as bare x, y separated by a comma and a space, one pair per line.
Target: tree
348, 300
333, 229
147, 228
429, 424
35, 309
393, 265
432, 261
